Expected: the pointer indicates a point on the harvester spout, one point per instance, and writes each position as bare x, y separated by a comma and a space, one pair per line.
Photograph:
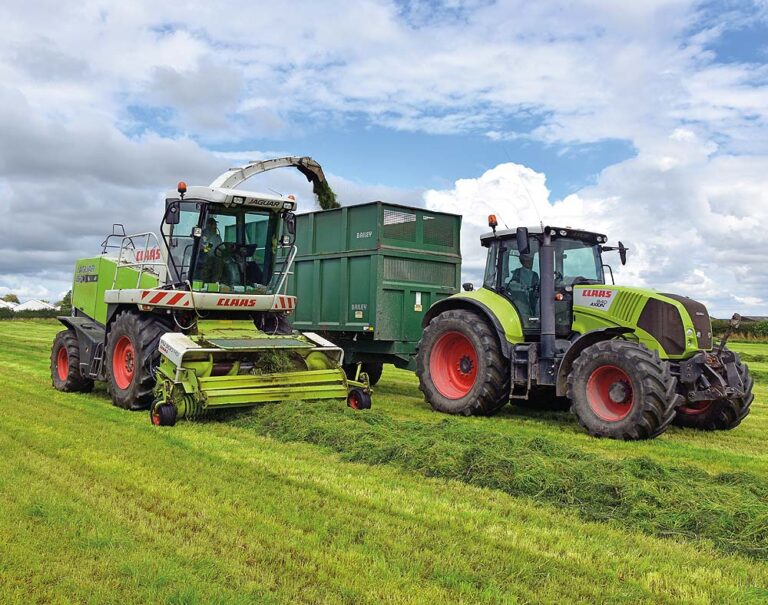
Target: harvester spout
326, 198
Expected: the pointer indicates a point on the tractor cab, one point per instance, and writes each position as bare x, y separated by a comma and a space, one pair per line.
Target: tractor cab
514, 269
226, 240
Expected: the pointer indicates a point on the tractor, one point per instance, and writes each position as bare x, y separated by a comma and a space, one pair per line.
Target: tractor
197, 319
546, 327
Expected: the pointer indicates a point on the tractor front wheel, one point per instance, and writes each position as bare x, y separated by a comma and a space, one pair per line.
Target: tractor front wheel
65, 364
720, 414
622, 390
460, 366
132, 358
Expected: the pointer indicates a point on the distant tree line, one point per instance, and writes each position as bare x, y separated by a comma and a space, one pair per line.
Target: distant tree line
747, 330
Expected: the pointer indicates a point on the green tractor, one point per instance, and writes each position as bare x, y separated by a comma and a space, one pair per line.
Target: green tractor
546, 327
197, 319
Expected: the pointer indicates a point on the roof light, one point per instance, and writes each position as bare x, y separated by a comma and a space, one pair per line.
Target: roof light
181, 187
292, 197
492, 222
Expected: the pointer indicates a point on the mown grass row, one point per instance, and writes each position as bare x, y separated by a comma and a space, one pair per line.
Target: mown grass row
730, 510
100, 507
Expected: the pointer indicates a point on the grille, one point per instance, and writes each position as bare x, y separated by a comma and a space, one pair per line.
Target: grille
438, 231
700, 318
426, 272
662, 321
400, 225
626, 305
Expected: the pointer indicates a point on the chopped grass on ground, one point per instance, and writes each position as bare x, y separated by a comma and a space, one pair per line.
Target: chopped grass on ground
100, 507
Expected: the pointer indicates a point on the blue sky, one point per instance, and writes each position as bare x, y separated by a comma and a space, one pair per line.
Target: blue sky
647, 120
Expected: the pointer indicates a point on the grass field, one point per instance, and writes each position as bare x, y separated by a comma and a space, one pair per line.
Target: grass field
308, 503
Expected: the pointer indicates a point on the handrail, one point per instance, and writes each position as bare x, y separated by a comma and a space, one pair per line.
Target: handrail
121, 263
286, 268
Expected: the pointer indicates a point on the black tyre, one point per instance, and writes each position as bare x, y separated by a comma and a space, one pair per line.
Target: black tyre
65, 364
374, 371
622, 390
460, 366
163, 415
358, 399
372, 368
132, 358
720, 414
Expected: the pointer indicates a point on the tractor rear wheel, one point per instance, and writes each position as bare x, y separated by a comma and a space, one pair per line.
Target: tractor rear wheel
132, 358
622, 390
719, 414
65, 364
460, 366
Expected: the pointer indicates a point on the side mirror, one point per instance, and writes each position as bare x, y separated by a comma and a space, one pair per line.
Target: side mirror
622, 253
468, 287
172, 214
290, 222
521, 235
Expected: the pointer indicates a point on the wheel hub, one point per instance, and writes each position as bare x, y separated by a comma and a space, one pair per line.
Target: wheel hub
465, 365
619, 392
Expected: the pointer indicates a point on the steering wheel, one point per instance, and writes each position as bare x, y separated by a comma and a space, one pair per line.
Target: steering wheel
233, 249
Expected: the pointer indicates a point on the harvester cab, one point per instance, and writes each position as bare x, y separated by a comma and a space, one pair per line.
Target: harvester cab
546, 327
197, 319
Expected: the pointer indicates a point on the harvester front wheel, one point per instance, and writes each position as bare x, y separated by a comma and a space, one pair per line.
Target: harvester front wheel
720, 414
163, 414
460, 366
358, 399
622, 390
65, 364
132, 357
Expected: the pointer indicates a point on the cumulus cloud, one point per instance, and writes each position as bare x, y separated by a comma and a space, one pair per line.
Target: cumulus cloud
106, 107
694, 221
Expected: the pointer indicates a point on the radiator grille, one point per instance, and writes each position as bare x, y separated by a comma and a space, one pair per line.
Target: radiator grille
626, 305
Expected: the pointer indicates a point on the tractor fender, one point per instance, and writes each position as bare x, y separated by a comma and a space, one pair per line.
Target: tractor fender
471, 304
582, 342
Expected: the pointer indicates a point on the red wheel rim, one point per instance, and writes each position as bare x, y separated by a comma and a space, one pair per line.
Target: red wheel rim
155, 417
695, 407
62, 364
609, 393
453, 365
353, 401
123, 362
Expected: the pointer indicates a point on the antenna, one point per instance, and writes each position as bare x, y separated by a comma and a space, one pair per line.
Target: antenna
533, 203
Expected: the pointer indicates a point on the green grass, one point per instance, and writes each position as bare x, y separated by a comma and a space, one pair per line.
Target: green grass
309, 503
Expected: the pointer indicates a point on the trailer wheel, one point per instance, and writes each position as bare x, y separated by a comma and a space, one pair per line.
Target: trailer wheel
358, 399
372, 368
163, 415
65, 364
718, 414
460, 366
622, 390
132, 358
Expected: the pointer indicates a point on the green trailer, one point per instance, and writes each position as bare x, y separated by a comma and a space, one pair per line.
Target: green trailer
367, 274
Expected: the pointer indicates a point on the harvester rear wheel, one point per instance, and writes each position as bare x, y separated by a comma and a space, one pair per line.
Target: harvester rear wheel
720, 414
65, 364
622, 390
132, 358
460, 366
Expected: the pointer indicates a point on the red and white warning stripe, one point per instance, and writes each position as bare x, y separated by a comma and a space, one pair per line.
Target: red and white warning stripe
284, 303
166, 298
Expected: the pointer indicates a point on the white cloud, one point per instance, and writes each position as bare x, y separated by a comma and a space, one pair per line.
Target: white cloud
106, 106
694, 226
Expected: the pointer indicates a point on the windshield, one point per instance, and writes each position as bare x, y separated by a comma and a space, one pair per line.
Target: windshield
234, 253
517, 276
577, 262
